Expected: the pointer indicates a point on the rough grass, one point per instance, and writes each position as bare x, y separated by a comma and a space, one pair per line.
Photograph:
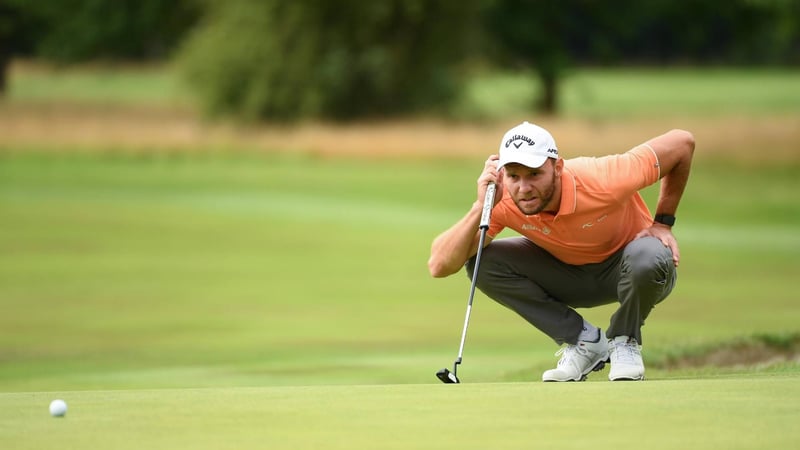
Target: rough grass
750, 139
758, 351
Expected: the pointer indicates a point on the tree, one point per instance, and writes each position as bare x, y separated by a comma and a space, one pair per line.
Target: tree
68, 31
82, 30
15, 37
289, 59
548, 36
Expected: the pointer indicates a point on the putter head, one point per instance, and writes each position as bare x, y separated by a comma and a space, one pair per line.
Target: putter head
447, 377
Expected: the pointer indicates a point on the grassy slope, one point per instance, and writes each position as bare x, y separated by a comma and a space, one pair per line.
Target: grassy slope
128, 271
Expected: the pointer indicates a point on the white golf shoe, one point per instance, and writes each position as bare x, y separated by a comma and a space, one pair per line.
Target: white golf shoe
626, 359
578, 360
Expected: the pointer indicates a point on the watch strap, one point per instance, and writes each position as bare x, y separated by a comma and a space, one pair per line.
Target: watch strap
666, 219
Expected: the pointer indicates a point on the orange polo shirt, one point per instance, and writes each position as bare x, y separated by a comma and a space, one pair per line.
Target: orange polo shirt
601, 209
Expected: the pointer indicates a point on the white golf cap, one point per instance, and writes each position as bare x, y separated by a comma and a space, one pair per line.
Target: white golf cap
527, 144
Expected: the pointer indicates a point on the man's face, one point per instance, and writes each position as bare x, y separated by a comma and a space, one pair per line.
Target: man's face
532, 190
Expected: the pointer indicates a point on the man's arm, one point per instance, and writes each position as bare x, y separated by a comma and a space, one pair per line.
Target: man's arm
674, 150
451, 249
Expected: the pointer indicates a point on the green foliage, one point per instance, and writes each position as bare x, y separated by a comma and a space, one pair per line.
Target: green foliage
549, 33
79, 30
535, 34
16, 36
284, 59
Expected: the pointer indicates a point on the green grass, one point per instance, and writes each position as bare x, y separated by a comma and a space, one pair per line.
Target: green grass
241, 300
601, 93
619, 93
691, 92
122, 86
121, 271
245, 300
728, 412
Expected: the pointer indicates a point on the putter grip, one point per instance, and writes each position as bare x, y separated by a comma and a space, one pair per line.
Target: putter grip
488, 204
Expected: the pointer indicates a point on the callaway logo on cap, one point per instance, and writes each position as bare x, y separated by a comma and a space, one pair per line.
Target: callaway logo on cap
527, 144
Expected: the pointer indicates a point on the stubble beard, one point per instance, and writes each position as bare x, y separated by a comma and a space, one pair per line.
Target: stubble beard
545, 197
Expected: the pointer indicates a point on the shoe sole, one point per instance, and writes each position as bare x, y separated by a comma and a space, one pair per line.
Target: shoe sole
640, 378
627, 379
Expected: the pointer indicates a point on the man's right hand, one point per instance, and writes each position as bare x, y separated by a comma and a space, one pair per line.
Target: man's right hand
490, 175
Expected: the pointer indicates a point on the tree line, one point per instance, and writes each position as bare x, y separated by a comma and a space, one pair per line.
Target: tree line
343, 59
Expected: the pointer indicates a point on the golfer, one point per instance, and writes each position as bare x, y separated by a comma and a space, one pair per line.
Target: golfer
587, 239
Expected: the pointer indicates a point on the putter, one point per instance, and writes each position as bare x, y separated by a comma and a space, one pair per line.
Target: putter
488, 202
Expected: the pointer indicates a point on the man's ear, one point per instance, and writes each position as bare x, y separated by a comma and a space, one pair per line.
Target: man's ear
559, 166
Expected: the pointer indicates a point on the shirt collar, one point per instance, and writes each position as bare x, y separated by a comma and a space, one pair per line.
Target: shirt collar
569, 196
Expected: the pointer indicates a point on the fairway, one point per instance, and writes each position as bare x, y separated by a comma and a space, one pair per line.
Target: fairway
173, 271
726, 412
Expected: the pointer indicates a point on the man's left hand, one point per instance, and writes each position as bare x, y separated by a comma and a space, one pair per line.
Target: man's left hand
664, 234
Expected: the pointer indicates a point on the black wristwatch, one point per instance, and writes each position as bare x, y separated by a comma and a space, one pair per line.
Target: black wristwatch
665, 219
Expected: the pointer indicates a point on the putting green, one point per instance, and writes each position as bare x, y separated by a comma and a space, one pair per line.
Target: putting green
740, 412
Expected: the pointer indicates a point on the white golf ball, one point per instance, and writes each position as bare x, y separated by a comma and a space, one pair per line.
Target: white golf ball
58, 408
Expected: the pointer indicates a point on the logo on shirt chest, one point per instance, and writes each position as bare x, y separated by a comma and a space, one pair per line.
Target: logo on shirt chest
544, 230
594, 222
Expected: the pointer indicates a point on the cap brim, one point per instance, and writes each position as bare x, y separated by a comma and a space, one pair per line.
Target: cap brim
532, 161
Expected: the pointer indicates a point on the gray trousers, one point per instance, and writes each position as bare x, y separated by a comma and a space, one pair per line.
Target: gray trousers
545, 291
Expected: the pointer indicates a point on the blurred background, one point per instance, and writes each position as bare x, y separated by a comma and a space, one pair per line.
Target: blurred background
197, 193
142, 74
